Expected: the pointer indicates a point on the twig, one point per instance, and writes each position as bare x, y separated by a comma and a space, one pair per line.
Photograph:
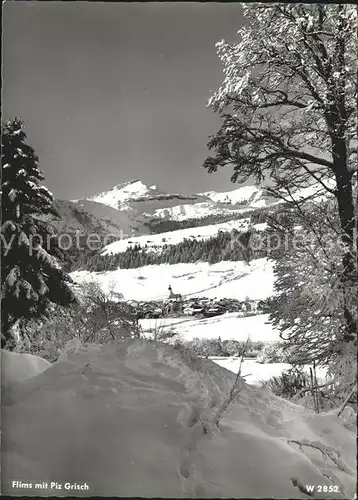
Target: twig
231, 395
345, 402
315, 383
325, 450
312, 390
205, 430
302, 391
85, 368
297, 484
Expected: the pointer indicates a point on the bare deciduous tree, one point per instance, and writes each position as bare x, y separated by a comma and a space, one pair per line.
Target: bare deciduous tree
289, 113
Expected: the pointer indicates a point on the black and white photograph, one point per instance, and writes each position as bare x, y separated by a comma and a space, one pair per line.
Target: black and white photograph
179, 250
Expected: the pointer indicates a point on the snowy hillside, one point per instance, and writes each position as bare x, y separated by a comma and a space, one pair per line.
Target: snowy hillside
137, 197
194, 211
91, 217
122, 193
314, 192
228, 202
174, 237
229, 326
254, 197
225, 279
258, 373
246, 194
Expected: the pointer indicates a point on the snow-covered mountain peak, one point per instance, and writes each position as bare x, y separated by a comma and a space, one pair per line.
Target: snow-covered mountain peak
139, 199
119, 195
134, 185
238, 196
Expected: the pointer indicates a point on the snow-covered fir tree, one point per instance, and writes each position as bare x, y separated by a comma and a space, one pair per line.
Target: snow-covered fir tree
31, 279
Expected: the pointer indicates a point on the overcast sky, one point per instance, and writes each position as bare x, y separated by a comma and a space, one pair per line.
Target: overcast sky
115, 91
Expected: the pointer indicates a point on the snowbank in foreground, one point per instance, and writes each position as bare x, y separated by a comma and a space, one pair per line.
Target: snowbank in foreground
127, 420
224, 279
17, 367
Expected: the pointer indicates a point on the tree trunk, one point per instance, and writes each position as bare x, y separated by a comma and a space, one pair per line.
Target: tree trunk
347, 216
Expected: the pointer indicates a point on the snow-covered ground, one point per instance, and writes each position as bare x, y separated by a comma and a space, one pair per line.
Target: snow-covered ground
195, 211
315, 191
237, 196
16, 367
256, 373
127, 422
225, 279
175, 237
118, 195
229, 326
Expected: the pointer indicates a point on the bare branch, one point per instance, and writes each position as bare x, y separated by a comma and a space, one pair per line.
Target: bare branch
346, 401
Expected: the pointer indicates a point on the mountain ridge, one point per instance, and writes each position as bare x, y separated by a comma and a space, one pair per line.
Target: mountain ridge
141, 200
134, 207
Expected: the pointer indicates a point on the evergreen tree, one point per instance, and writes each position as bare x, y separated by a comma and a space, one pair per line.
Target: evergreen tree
31, 279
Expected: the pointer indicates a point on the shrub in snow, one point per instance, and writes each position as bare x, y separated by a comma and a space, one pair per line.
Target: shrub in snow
289, 383
276, 352
108, 316
97, 319
159, 333
205, 347
47, 338
217, 347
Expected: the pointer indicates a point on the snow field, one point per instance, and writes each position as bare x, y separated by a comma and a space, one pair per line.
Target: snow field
225, 279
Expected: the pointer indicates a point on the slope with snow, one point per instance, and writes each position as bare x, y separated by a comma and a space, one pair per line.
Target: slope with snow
241, 195
256, 373
140, 203
225, 279
194, 211
174, 237
89, 217
141, 200
315, 191
230, 326
119, 194
128, 420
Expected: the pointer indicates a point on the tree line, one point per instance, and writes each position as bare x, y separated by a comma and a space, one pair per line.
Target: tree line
223, 246
158, 226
